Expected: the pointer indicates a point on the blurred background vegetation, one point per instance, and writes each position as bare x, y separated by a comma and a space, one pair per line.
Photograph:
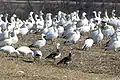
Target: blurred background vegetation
23, 7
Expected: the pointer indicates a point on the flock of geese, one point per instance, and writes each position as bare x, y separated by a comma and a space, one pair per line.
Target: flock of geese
70, 27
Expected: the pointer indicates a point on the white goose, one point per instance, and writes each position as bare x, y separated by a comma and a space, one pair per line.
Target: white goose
30, 21
74, 37
4, 35
98, 37
88, 43
14, 37
83, 21
108, 30
9, 50
113, 44
13, 23
24, 50
23, 30
52, 33
39, 43
38, 24
48, 20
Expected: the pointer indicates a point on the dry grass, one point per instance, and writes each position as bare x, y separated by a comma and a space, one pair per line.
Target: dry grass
93, 64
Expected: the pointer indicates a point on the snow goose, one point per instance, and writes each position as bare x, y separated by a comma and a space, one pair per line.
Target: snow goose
88, 43
39, 25
52, 33
106, 18
75, 36
9, 50
77, 16
30, 21
5, 23
83, 21
69, 29
60, 30
39, 43
2, 23
37, 54
13, 22
108, 30
54, 55
98, 37
115, 37
97, 17
113, 45
66, 60
48, 20
24, 50
23, 30
62, 19
4, 35
92, 24
14, 37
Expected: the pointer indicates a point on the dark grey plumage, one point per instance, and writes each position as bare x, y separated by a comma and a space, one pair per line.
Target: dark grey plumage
66, 59
54, 55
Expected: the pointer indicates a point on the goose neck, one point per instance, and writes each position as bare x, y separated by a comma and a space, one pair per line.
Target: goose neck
41, 17
95, 14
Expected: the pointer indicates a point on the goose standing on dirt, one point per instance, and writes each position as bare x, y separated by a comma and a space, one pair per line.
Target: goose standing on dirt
9, 50
88, 43
24, 50
23, 30
97, 35
54, 55
39, 43
75, 36
66, 60
37, 54
114, 43
108, 30
52, 34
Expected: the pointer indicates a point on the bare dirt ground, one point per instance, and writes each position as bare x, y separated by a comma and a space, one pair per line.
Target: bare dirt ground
93, 64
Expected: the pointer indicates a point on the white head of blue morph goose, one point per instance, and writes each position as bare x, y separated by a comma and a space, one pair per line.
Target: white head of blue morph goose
54, 55
66, 60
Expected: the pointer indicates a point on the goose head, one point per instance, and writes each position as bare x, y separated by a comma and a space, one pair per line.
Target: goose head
77, 11
43, 36
58, 44
36, 17
31, 13
84, 15
99, 13
95, 14
41, 13
14, 15
48, 16
1, 15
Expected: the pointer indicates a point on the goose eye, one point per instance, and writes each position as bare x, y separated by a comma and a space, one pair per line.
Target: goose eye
38, 18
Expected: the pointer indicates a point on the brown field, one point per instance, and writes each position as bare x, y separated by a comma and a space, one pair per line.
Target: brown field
93, 64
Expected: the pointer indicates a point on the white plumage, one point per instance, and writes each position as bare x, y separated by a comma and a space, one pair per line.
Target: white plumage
88, 43
24, 50
39, 43
9, 50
